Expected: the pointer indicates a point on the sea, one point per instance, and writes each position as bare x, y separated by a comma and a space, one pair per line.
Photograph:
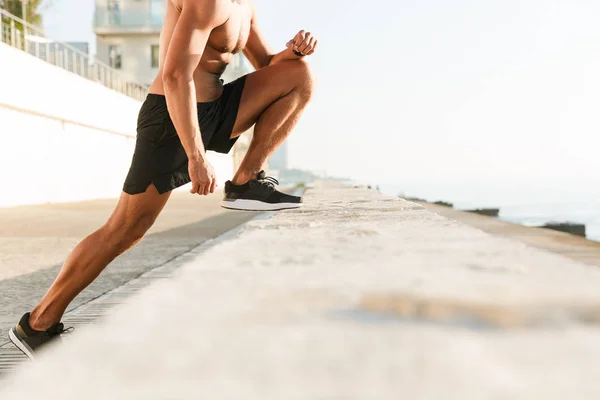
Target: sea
530, 202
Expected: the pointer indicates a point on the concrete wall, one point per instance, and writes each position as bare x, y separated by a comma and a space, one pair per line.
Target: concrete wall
63, 137
47, 160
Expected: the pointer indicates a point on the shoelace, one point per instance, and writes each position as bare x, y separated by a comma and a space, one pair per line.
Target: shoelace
269, 181
59, 329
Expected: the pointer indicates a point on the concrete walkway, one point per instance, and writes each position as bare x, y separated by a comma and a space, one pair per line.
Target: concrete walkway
34, 241
357, 296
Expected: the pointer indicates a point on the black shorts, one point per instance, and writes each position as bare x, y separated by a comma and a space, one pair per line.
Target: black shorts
159, 156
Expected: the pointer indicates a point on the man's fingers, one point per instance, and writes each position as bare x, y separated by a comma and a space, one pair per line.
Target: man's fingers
296, 40
299, 38
306, 45
303, 48
213, 186
304, 42
204, 187
194, 188
314, 47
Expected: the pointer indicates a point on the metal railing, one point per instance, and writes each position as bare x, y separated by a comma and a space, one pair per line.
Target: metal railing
105, 18
31, 39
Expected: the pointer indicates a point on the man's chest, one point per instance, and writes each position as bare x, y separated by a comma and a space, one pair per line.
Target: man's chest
233, 35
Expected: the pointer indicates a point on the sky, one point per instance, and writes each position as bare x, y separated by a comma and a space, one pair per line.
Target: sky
435, 89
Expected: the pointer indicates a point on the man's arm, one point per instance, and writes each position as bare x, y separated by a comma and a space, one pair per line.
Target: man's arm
198, 18
187, 45
258, 51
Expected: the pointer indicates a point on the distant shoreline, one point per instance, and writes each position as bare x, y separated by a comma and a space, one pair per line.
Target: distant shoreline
525, 203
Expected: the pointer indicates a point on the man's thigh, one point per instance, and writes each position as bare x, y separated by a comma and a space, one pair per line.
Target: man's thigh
263, 88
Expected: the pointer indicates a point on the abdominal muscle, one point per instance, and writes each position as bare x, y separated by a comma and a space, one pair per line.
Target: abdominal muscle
207, 83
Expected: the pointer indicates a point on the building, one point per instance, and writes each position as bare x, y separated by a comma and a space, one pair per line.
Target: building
128, 33
279, 159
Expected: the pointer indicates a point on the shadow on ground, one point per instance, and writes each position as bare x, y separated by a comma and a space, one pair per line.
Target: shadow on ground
20, 294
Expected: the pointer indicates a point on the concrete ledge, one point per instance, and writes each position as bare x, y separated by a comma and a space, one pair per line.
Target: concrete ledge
324, 303
571, 246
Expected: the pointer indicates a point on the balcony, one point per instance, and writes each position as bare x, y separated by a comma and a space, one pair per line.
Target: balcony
118, 22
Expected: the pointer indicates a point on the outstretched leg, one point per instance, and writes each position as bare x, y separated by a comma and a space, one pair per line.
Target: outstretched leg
274, 99
130, 221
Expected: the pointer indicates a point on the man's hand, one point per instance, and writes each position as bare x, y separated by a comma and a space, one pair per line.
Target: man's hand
203, 177
304, 43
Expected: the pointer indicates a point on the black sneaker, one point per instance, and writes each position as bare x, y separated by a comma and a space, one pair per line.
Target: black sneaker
258, 195
29, 341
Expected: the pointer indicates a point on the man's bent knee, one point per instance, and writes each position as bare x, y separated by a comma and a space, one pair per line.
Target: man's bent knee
304, 78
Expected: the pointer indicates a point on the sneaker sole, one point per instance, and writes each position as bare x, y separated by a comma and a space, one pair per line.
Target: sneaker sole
255, 205
12, 335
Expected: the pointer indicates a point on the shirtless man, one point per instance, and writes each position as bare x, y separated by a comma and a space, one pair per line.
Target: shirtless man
187, 112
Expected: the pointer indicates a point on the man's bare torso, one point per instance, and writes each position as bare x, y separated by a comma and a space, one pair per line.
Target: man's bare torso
224, 42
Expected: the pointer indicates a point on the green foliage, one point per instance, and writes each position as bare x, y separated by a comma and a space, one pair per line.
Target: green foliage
15, 7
